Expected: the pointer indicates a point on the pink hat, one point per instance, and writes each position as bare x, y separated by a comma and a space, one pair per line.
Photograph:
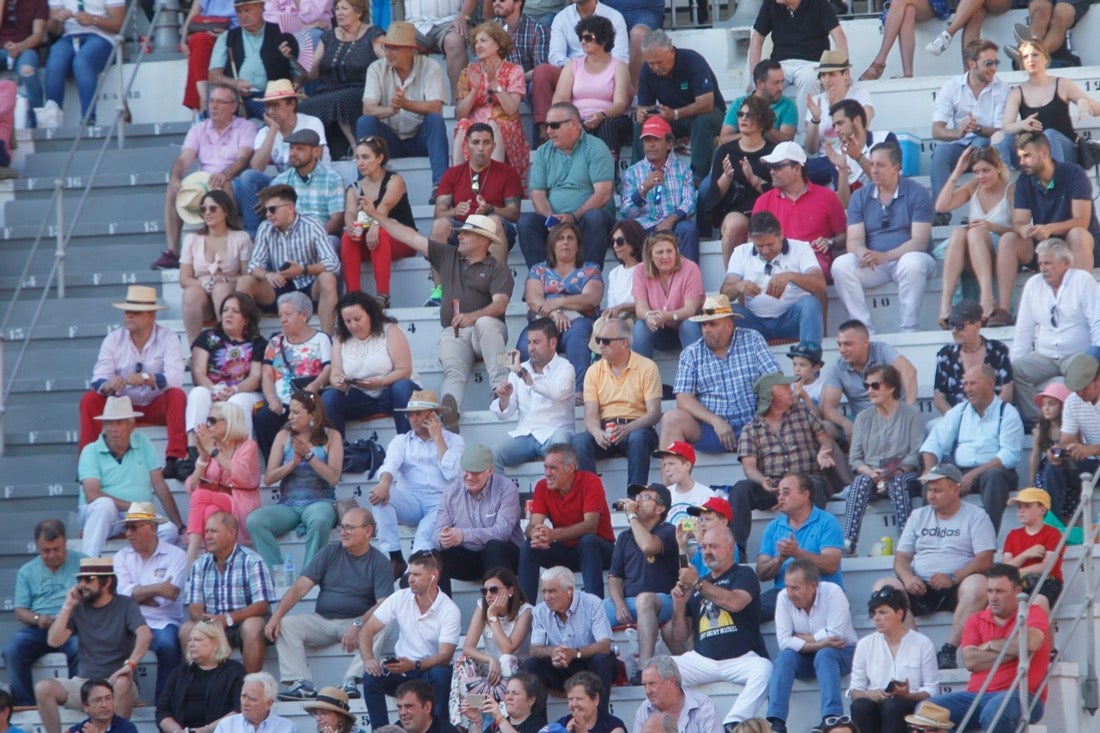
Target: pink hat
1054, 390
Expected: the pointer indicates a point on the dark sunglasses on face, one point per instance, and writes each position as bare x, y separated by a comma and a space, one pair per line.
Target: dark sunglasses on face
618, 241
606, 340
872, 385
556, 125
212, 421
779, 166
209, 209
588, 37
487, 589
273, 208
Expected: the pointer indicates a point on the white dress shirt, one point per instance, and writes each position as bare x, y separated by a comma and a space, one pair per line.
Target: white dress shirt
956, 101
167, 563
272, 724
829, 616
544, 407
747, 264
565, 45
1073, 308
873, 666
416, 466
420, 634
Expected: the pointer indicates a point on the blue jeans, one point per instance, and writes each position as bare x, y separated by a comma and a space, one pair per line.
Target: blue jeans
357, 404
687, 239
430, 140
85, 66
959, 702
636, 446
1062, 149
642, 16
166, 645
802, 321
245, 187
826, 665
514, 451
665, 339
591, 556
573, 343
31, 83
594, 224
24, 648
375, 690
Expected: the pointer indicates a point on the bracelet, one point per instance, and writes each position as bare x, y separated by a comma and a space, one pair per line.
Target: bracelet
815, 120
131, 664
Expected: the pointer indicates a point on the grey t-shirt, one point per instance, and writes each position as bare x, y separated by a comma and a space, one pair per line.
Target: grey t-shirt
839, 374
349, 585
945, 545
105, 635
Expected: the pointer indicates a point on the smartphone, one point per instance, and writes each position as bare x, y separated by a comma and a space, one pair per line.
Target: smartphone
505, 359
551, 222
285, 266
389, 660
894, 684
653, 111
474, 701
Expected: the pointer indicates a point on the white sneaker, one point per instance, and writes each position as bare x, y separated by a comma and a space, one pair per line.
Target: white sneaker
939, 44
48, 116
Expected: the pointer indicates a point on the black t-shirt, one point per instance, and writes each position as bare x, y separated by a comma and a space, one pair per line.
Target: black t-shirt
194, 713
740, 196
533, 724
605, 723
723, 634
803, 34
643, 573
691, 77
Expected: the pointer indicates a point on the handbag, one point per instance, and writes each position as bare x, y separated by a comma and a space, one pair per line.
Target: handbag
363, 456
208, 24
1088, 152
298, 383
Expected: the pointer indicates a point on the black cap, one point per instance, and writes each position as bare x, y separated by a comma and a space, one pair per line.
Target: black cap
662, 492
963, 312
303, 137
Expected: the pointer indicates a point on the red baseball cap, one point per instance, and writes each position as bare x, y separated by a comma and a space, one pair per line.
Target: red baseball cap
656, 126
713, 504
678, 448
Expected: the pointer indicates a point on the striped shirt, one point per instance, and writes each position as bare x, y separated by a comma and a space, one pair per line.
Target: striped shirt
585, 623
245, 581
530, 42
793, 449
305, 242
725, 386
1081, 418
320, 194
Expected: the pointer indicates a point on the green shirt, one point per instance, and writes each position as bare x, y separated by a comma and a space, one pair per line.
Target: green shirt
786, 113
126, 480
41, 590
569, 178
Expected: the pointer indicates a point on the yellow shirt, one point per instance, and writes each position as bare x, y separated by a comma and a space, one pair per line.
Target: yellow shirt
623, 396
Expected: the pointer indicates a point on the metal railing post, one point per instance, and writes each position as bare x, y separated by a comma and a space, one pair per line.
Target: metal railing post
59, 254
1023, 659
166, 34
1090, 690
123, 107
3, 404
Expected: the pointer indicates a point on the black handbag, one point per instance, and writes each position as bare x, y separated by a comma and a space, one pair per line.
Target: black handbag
1088, 152
363, 456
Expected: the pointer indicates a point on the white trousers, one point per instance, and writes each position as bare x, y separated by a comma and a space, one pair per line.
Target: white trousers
101, 519
299, 630
911, 273
750, 670
200, 399
802, 75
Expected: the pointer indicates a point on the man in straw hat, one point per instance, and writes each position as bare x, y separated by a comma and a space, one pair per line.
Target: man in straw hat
270, 148
929, 717
714, 381
987, 633
403, 101
247, 62
222, 146
143, 362
153, 573
481, 286
112, 637
425, 464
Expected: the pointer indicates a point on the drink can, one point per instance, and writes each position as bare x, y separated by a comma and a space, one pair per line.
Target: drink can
356, 232
528, 506
610, 425
887, 545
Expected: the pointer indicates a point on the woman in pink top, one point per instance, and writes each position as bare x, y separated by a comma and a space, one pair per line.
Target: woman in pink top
598, 84
227, 474
668, 290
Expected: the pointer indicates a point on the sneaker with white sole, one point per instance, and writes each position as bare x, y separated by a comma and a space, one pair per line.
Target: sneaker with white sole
300, 690
939, 44
350, 686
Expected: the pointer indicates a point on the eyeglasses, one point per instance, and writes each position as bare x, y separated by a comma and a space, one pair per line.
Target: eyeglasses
556, 125
212, 420
872, 385
768, 268
366, 140
272, 208
884, 593
350, 527
832, 720
960, 325
645, 497
780, 165
422, 555
618, 241
588, 37
209, 209
1054, 315
486, 590
657, 191
606, 340
744, 114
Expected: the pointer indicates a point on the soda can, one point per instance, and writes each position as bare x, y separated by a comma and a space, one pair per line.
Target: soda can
527, 506
887, 545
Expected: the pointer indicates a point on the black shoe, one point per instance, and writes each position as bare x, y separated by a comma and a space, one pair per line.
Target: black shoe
171, 468
778, 726
945, 658
636, 678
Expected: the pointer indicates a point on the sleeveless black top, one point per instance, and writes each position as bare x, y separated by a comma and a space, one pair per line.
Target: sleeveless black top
1054, 114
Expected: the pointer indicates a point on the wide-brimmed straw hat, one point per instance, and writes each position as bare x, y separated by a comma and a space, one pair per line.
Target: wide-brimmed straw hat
139, 298
142, 511
400, 33
193, 190
118, 408
280, 89
421, 399
483, 226
930, 715
716, 307
330, 698
833, 60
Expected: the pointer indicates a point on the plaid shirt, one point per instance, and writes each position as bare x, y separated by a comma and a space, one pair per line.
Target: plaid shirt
675, 196
245, 581
530, 42
320, 194
585, 623
725, 387
305, 242
794, 448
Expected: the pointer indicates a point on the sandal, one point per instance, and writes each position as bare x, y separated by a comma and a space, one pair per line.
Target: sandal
874, 71
1000, 317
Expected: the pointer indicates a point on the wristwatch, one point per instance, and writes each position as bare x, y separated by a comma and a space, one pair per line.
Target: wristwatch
229, 621
357, 623
215, 453
417, 665
145, 376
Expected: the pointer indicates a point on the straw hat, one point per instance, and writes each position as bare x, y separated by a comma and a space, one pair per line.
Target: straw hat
139, 298
192, 191
330, 698
483, 226
716, 307
930, 715
832, 60
400, 33
421, 399
142, 511
118, 408
96, 566
280, 89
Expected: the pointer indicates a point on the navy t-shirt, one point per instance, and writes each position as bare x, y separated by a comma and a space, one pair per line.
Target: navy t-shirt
723, 634
691, 77
1055, 202
803, 34
643, 573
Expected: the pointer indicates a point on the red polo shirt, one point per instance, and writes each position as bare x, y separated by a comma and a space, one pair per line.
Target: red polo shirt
981, 628
816, 213
563, 510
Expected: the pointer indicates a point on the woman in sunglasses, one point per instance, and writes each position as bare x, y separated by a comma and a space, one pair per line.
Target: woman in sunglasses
211, 260
893, 668
226, 476
502, 625
884, 454
306, 461
973, 245
627, 240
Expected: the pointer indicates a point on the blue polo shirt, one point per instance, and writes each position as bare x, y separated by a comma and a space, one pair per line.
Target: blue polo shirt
887, 227
820, 531
1054, 201
786, 112
40, 590
126, 479
691, 77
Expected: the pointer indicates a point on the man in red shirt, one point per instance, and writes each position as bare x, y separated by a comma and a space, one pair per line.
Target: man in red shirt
985, 635
581, 538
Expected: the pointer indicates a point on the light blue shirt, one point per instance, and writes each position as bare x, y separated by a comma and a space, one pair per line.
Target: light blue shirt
970, 439
40, 590
251, 67
820, 531
585, 623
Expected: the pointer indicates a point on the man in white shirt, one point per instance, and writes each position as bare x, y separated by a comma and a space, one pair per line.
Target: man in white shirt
677, 461
665, 695
257, 697
1058, 317
428, 624
780, 282
540, 391
153, 573
813, 626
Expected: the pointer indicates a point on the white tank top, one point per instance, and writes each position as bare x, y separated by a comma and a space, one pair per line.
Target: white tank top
368, 357
1000, 215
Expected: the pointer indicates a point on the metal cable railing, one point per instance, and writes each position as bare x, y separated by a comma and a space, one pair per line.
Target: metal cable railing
59, 231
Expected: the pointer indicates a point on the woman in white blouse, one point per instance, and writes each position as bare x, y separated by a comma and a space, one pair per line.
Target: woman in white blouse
893, 669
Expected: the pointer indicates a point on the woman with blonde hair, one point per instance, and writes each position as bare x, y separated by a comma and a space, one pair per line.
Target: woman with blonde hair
206, 689
668, 291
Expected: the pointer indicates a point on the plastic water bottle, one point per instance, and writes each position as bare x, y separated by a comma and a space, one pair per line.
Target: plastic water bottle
289, 575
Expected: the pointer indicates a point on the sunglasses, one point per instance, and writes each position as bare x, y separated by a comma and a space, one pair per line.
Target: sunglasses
421, 555
991, 63
886, 216
366, 140
588, 37
212, 421
209, 209
872, 385
606, 340
884, 593
618, 241
1054, 315
779, 166
486, 590
272, 208
556, 125
306, 398
475, 182
960, 325
744, 114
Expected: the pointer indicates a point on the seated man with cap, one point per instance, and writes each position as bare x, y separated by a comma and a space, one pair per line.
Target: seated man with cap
120, 468
248, 56
1080, 439
143, 362
320, 189
222, 147
112, 637
644, 567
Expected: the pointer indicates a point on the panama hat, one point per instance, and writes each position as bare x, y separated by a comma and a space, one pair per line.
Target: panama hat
119, 408
193, 190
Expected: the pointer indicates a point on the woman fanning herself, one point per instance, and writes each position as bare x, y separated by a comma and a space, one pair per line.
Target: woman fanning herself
973, 245
386, 192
